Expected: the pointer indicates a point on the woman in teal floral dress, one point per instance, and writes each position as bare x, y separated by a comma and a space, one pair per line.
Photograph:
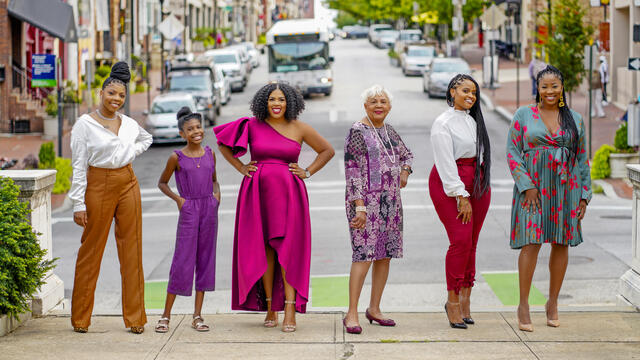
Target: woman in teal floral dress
547, 158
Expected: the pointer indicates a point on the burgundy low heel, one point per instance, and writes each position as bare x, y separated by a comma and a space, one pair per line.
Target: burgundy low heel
381, 322
351, 329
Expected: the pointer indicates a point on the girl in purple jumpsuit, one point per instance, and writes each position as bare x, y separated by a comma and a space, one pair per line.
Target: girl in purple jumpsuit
198, 222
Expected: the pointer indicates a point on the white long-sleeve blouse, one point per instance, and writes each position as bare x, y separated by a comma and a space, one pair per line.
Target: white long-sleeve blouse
94, 145
453, 137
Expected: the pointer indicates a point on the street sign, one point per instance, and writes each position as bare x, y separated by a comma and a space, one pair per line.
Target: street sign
493, 17
170, 27
43, 68
634, 64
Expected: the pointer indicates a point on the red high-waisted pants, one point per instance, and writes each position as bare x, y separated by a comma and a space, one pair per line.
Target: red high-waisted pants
460, 264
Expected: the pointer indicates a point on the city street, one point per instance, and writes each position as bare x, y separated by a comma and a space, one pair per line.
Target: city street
416, 282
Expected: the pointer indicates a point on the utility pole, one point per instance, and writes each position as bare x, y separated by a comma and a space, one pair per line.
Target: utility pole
161, 47
184, 33
458, 24
128, 49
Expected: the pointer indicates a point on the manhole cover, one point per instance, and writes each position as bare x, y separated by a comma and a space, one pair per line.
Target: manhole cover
617, 217
578, 260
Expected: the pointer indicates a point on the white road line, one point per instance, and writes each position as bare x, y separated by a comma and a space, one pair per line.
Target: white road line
56, 220
333, 115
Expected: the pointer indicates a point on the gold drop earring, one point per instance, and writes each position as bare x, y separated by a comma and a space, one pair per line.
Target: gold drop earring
561, 103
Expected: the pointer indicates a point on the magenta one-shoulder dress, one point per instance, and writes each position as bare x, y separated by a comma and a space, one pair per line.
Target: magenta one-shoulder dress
272, 208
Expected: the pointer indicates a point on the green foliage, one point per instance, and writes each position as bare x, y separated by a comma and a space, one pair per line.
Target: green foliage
47, 156
600, 168
22, 261
620, 140
101, 74
565, 48
51, 107
345, 19
63, 176
392, 54
70, 93
597, 189
262, 39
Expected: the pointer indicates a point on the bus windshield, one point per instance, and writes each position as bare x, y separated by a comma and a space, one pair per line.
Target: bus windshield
286, 57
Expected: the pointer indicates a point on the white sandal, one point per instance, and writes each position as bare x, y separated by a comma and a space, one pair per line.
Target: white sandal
162, 327
199, 325
289, 327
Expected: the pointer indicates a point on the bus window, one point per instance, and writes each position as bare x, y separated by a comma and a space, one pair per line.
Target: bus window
286, 57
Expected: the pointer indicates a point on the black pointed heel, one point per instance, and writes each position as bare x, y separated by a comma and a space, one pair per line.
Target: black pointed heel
454, 325
468, 321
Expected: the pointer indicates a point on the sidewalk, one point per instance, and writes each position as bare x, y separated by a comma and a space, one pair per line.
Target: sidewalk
582, 335
504, 100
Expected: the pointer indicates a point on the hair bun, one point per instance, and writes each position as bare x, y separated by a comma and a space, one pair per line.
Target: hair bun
184, 111
120, 71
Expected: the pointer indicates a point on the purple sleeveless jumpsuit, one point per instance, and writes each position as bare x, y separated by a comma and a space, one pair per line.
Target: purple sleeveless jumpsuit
197, 226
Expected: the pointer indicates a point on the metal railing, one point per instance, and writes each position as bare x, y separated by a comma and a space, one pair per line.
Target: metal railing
22, 81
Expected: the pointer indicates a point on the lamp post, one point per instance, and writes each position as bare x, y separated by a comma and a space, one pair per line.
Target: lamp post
162, 46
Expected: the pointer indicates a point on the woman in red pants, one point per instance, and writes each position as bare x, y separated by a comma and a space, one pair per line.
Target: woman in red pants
459, 188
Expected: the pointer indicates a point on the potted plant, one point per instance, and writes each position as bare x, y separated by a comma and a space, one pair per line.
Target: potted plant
623, 155
70, 101
48, 160
393, 57
51, 121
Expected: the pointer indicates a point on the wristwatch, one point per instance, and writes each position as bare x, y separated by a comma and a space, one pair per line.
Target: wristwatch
407, 169
307, 173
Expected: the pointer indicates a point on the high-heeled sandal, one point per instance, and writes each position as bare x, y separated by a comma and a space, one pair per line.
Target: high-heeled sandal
268, 323
81, 330
524, 327
162, 327
550, 322
137, 329
289, 327
461, 325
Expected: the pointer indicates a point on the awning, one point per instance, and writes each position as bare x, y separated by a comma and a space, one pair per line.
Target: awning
52, 16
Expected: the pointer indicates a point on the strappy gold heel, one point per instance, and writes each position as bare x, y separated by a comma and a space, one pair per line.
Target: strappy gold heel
270, 323
289, 327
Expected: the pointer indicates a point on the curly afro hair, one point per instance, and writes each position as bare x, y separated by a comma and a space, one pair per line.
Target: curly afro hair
295, 102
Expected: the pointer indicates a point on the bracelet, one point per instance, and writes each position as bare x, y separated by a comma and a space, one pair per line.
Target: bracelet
361, 209
307, 173
407, 169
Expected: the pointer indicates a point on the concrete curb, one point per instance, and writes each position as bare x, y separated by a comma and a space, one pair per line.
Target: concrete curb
609, 191
504, 114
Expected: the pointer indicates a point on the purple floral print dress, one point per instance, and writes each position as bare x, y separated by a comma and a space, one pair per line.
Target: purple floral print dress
539, 159
374, 178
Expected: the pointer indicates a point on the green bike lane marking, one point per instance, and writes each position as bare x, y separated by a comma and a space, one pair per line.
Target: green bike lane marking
155, 293
505, 286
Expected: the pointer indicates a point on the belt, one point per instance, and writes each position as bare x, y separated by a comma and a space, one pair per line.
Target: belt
466, 161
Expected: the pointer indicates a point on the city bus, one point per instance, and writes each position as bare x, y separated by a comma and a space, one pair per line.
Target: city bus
299, 54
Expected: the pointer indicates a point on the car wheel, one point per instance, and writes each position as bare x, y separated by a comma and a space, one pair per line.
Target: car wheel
327, 93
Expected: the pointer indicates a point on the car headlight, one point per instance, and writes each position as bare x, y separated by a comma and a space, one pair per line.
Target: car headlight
325, 80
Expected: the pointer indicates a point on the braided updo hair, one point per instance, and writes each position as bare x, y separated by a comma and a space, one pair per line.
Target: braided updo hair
295, 102
483, 145
184, 115
120, 74
567, 123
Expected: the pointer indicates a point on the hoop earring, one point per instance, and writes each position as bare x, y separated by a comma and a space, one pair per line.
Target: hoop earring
561, 103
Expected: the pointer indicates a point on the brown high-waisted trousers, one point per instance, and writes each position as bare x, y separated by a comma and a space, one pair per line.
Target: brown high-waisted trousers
110, 193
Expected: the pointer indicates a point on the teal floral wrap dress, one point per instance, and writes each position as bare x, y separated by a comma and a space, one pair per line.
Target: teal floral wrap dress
539, 159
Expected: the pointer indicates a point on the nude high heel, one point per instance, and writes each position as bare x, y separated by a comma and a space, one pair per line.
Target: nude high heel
271, 323
550, 322
289, 327
523, 327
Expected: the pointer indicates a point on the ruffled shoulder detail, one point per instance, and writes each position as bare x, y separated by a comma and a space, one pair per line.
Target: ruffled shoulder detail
235, 135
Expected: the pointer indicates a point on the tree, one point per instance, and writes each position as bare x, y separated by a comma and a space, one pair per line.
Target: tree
565, 46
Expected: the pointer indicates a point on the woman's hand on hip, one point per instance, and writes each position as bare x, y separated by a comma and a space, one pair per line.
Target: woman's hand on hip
531, 201
464, 209
359, 221
404, 177
298, 171
180, 203
582, 209
248, 169
80, 218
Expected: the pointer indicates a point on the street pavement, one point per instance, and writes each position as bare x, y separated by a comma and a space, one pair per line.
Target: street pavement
416, 282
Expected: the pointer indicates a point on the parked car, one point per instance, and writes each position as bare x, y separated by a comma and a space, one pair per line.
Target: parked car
416, 59
354, 32
386, 38
408, 37
232, 67
161, 121
436, 78
375, 29
222, 84
254, 54
198, 80
244, 56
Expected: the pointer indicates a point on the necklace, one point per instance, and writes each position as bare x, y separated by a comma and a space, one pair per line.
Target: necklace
115, 116
391, 157
197, 164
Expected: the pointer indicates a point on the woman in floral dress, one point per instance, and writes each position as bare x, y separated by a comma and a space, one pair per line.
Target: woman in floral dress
377, 165
547, 158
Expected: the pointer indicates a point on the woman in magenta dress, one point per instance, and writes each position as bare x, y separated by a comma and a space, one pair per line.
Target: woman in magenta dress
272, 240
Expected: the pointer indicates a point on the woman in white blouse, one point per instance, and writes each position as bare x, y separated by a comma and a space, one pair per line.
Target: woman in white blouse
104, 143
459, 188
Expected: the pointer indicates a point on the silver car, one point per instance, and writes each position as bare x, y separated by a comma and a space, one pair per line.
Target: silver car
387, 38
254, 54
244, 56
416, 59
436, 78
161, 122
232, 67
223, 85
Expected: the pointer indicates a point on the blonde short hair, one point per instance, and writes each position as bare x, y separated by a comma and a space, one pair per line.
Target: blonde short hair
376, 90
